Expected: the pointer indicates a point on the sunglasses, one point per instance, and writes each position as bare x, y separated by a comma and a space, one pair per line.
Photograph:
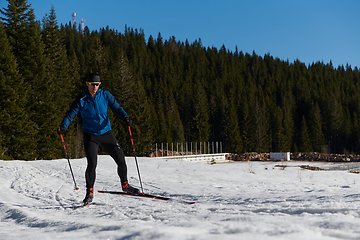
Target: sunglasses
94, 83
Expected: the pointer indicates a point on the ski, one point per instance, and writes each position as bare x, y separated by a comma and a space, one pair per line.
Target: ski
144, 195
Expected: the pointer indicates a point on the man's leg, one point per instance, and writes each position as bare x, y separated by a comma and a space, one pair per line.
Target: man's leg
112, 147
91, 151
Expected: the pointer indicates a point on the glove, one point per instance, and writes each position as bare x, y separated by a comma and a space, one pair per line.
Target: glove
128, 121
61, 130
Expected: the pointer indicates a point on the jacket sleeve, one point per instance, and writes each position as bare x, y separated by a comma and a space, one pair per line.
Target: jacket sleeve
115, 106
71, 114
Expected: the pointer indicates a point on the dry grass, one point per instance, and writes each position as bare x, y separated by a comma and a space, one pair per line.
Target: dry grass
312, 168
307, 167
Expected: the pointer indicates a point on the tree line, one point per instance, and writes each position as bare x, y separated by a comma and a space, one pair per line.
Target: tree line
173, 91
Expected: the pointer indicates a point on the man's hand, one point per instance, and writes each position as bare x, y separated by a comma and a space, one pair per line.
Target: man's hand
128, 121
61, 130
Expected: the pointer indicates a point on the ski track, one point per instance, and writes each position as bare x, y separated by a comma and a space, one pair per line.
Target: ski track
244, 200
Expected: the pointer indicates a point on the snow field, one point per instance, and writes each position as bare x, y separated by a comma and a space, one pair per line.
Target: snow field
242, 200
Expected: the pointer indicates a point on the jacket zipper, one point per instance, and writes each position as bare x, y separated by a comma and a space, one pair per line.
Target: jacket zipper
97, 111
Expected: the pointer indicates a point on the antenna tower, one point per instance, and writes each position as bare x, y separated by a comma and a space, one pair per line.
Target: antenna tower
83, 26
73, 15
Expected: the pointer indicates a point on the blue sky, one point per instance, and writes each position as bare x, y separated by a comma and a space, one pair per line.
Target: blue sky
308, 30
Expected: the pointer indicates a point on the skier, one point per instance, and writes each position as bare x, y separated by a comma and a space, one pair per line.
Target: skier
93, 107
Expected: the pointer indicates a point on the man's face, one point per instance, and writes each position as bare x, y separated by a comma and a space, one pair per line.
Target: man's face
93, 87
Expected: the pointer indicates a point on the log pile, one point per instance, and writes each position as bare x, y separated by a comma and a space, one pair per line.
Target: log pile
251, 156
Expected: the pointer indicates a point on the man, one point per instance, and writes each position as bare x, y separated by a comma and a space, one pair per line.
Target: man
93, 107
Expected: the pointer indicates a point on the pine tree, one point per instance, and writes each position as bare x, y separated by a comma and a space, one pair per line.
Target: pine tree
356, 133
288, 122
201, 117
261, 127
278, 131
144, 121
72, 40
15, 127
246, 125
231, 127
122, 86
317, 135
56, 95
95, 59
305, 143
25, 40
334, 123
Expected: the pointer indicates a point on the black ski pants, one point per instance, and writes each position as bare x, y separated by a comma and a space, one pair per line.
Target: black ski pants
110, 145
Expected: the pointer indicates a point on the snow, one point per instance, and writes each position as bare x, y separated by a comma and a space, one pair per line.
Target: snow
241, 200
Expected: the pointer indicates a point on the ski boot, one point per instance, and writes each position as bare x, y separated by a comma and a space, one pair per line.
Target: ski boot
126, 187
89, 196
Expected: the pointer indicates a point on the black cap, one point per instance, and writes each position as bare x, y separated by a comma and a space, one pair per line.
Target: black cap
93, 77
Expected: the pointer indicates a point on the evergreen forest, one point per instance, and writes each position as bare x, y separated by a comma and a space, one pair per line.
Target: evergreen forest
173, 91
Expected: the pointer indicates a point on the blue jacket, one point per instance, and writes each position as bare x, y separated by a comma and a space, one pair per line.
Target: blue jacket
94, 111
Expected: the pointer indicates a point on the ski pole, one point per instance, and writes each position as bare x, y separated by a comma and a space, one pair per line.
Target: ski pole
137, 165
67, 156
